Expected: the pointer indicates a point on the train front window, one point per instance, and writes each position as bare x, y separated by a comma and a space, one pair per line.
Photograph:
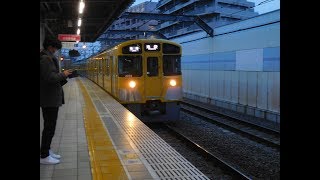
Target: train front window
171, 65
130, 66
152, 66
170, 49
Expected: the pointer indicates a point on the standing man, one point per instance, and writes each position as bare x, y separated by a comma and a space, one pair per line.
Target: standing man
51, 96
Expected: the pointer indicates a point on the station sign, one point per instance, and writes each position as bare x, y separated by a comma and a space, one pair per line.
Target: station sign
69, 37
69, 45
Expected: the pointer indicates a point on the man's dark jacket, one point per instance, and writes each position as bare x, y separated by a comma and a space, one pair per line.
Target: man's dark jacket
51, 81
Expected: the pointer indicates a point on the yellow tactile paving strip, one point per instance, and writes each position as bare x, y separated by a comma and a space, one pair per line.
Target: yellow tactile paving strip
104, 160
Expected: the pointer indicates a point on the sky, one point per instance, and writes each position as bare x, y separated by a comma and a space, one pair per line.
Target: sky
267, 7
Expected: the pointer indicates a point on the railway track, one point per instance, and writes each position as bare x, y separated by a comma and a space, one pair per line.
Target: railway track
224, 168
264, 135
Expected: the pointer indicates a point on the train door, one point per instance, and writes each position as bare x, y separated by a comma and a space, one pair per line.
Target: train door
107, 79
99, 71
114, 78
103, 67
96, 71
153, 80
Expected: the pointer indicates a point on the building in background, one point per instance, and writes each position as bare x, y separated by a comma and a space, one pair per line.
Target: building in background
136, 24
214, 12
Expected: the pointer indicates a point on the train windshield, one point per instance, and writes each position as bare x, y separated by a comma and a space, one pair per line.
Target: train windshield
171, 65
170, 49
130, 66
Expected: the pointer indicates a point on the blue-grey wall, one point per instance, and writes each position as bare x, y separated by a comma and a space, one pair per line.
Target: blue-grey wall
238, 68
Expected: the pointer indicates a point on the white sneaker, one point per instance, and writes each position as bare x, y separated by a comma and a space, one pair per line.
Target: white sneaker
57, 156
49, 160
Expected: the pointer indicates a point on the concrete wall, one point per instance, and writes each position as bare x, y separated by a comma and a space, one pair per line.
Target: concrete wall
238, 68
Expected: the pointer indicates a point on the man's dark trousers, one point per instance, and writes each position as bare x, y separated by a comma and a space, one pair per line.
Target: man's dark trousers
50, 115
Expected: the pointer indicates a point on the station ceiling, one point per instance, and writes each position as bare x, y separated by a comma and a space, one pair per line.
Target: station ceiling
61, 16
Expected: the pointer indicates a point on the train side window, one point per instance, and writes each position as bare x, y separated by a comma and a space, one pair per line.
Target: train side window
95, 66
100, 66
152, 66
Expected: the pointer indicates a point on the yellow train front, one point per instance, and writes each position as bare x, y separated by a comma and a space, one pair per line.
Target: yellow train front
144, 75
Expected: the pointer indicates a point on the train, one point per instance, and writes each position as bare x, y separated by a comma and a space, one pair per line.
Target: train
144, 75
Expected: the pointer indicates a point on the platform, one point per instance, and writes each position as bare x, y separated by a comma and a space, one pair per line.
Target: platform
99, 139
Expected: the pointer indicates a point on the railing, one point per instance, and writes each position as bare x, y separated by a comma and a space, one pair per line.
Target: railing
166, 24
179, 6
238, 2
161, 3
202, 10
185, 30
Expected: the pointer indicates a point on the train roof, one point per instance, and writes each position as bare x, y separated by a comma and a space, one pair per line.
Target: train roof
148, 40
133, 41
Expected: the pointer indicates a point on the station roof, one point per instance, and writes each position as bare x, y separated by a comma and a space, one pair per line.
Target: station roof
61, 16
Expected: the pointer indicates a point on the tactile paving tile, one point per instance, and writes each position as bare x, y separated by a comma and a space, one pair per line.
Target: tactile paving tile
166, 162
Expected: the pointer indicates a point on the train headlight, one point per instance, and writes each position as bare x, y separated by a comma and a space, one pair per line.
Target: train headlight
132, 84
173, 82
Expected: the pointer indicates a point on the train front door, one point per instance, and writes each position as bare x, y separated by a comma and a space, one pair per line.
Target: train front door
153, 80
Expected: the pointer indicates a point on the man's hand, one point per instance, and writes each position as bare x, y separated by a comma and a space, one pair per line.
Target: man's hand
67, 72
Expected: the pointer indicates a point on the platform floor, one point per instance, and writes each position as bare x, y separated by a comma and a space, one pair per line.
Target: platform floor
69, 141
99, 139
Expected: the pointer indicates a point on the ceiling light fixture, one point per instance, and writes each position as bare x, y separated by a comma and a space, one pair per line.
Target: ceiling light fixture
81, 7
79, 22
